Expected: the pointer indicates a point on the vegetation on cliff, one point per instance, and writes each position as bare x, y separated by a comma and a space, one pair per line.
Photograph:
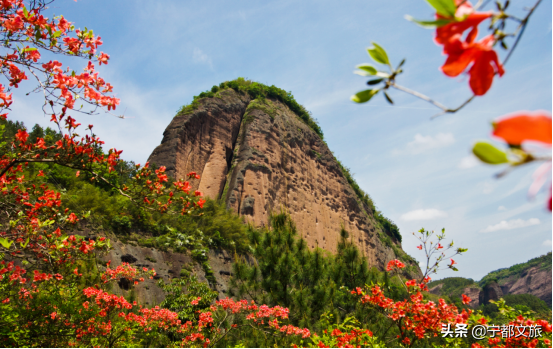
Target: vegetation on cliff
109, 212
542, 262
260, 91
386, 224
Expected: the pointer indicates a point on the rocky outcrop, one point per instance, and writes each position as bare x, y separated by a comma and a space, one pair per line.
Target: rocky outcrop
168, 265
474, 294
491, 292
437, 290
259, 157
535, 281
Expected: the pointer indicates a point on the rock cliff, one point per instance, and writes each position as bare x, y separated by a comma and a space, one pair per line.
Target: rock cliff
491, 292
535, 281
259, 157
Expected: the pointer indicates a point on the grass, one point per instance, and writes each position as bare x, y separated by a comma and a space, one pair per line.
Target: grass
265, 106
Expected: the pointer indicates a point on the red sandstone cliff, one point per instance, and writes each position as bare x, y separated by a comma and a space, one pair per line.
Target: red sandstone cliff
259, 157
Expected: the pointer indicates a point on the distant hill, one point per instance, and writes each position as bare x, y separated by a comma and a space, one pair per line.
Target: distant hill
506, 275
530, 278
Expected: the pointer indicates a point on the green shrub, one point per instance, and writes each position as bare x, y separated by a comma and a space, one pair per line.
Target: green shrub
260, 91
180, 293
522, 303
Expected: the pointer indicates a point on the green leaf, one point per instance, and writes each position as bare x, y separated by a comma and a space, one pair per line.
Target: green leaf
56, 34
378, 54
374, 82
25, 244
489, 154
388, 98
6, 243
401, 64
444, 7
429, 24
364, 96
368, 68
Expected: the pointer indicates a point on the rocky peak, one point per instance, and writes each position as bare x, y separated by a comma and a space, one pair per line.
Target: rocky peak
260, 157
490, 292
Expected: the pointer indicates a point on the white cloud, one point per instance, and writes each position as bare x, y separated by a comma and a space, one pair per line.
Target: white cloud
502, 208
546, 243
423, 143
200, 57
468, 162
512, 224
422, 214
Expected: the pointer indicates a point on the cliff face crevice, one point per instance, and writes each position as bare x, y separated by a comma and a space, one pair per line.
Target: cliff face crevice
203, 141
260, 158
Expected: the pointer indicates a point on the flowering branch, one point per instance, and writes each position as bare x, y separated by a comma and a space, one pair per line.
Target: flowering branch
431, 249
449, 29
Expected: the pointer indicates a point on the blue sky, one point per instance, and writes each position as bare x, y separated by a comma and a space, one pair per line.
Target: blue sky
419, 172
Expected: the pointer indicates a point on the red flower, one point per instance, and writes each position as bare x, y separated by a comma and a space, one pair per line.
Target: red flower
528, 126
480, 54
22, 136
470, 19
419, 247
193, 175
524, 126
201, 203
466, 299
72, 218
103, 58
394, 263
452, 262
